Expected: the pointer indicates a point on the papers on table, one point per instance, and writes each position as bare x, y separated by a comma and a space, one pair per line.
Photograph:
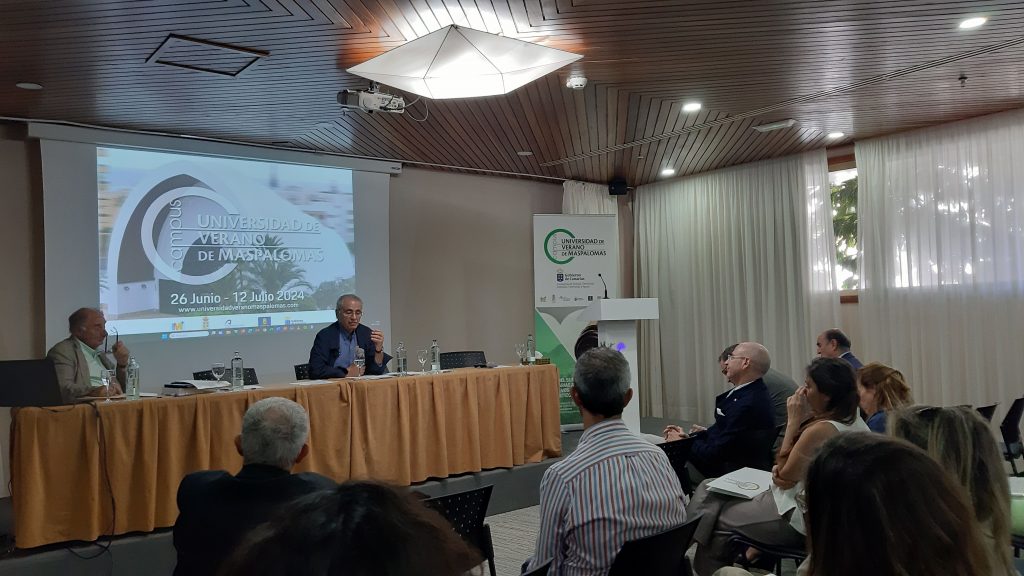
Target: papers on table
1016, 486
744, 483
199, 384
310, 382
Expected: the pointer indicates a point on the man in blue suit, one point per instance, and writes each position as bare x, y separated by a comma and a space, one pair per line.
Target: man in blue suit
334, 349
744, 425
834, 344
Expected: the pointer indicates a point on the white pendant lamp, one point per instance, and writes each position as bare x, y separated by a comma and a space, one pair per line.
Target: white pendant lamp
457, 62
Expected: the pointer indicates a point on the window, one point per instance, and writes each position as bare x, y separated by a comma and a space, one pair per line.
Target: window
844, 223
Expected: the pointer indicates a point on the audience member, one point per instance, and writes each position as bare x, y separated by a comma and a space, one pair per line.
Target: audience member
960, 440
586, 340
861, 480
216, 509
356, 529
334, 349
881, 389
78, 360
614, 487
743, 417
834, 344
825, 406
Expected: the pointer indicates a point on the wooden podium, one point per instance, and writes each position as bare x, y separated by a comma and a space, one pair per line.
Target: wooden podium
616, 327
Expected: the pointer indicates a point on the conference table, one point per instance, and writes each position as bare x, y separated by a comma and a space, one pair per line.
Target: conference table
106, 468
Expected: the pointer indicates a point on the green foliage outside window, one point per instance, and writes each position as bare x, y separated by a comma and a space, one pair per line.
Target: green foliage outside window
844, 223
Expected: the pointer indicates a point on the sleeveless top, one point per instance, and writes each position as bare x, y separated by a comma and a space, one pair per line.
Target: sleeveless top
785, 500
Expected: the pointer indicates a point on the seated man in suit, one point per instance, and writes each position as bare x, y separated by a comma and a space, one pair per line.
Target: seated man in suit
614, 487
334, 349
79, 362
744, 421
216, 510
833, 343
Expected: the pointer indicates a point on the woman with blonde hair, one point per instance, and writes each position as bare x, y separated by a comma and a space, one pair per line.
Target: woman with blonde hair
962, 443
881, 389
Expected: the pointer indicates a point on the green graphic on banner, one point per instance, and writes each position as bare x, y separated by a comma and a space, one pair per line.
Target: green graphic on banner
551, 347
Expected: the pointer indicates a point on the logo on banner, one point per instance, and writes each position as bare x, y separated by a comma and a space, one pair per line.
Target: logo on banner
560, 276
562, 246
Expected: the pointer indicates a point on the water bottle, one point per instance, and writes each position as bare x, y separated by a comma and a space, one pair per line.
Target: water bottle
237, 372
531, 349
435, 357
132, 377
400, 358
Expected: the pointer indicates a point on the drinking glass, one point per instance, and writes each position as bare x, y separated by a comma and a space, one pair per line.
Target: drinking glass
423, 356
218, 371
360, 360
107, 377
521, 352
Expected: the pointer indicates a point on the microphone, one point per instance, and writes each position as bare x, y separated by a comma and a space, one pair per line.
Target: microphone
605, 285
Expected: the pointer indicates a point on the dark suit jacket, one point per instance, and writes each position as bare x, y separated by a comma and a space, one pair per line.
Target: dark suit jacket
741, 435
325, 351
853, 360
217, 510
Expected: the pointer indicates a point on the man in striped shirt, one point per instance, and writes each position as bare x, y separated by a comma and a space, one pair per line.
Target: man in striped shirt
614, 487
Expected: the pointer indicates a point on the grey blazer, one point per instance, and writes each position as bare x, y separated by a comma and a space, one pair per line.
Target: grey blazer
73, 369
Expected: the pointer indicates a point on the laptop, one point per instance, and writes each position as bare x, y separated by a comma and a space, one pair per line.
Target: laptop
29, 383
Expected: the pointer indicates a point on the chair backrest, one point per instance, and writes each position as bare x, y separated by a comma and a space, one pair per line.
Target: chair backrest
1010, 426
541, 570
302, 371
466, 512
987, 412
248, 376
678, 452
463, 359
29, 383
662, 554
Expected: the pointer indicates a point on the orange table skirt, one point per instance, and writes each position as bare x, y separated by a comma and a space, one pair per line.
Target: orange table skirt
68, 485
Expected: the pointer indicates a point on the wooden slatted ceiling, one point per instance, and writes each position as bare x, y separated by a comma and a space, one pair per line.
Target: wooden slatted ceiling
643, 58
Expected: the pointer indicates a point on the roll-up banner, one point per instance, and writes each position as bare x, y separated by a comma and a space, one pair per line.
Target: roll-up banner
574, 257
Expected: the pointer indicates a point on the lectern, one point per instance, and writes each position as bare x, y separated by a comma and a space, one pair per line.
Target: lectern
616, 327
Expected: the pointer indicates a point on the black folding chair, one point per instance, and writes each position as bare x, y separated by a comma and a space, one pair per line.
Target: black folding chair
302, 371
464, 359
772, 554
987, 412
466, 512
663, 554
1010, 430
248, 376
541, 570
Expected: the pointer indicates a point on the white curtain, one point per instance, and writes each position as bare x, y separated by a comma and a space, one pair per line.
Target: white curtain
744, 253
587, 198
942, 237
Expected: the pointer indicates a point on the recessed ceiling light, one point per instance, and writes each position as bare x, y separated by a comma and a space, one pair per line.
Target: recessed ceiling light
973, 22
29, 86
836, 134
524, 153
691, 106
668, 171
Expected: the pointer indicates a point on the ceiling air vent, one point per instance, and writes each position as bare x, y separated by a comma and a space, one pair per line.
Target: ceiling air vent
205, 56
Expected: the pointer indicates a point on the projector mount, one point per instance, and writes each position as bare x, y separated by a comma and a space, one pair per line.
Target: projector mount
371, 100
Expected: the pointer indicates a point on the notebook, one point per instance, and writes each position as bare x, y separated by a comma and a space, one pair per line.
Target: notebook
743, 483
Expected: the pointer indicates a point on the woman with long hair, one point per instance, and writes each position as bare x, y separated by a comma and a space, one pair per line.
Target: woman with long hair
825, 406
881, 389
960, 440
358, 529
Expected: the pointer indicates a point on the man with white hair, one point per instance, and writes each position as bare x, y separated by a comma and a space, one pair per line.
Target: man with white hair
744, 421
216, 510
614, 487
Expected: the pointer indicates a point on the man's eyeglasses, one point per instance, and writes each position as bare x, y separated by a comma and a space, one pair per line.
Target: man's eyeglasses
355, 313
731, 356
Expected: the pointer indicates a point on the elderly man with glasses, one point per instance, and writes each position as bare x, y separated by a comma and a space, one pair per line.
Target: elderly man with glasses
336, 347
744, 424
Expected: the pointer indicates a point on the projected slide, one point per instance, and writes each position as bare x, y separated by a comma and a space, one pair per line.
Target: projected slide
202, 246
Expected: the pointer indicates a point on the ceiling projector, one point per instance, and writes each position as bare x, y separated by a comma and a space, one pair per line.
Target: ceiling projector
371, 101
